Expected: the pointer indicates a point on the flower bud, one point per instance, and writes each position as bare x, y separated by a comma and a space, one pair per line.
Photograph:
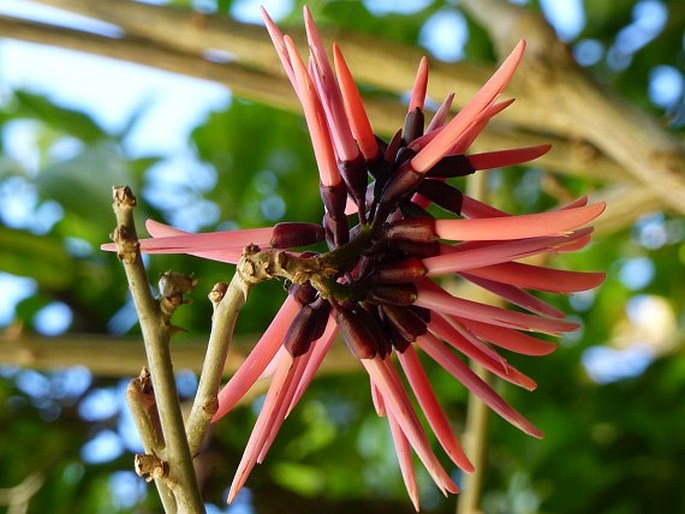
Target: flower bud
413, 125
455, 165
358, 335
406, 321
421, 250
406, 270
303, 293
289, 234
402, 182
308, 326
393, 294
442, 194
415, 230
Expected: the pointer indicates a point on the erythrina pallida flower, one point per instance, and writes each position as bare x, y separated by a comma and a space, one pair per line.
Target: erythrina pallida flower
375, 284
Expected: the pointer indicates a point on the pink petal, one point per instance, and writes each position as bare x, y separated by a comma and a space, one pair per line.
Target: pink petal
435, 298
279, 44
341, 134
440, 117
503, 158
259, 357
472, 208
403, 451
286, 402
537, 277
479, 352
431, 408
508, 338
207, 241
418, 96
314, 115
518, 227
464, 256
397, 402
267, 419
354, 107
452, 364
439, 146
516, 296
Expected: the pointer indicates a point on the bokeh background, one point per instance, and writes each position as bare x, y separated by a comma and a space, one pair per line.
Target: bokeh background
611, 399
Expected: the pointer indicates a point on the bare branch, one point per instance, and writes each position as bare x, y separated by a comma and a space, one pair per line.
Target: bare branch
156, 331
227, 301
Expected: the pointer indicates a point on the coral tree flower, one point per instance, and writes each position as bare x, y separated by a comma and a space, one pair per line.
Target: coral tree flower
374, 284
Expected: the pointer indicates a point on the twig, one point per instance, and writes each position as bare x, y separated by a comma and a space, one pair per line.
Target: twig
227, 302
156, 331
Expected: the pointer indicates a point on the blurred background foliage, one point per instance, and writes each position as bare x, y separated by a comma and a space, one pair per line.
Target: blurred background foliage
610, 400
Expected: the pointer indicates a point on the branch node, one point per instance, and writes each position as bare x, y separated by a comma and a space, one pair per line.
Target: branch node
150, 467
172, 287
217, 293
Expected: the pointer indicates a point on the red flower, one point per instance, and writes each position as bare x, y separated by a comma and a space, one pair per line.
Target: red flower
374, 284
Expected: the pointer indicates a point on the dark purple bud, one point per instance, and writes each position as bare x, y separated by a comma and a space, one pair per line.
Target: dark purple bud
337, 230
393, 147
307, 327
399, 343
358, 335
371, 318
334, 199
355, 176
403, 181
413, 125
406, 321
424, 313
403, 155
416, 230
442, 194
303, 293
411, 210
290, 234
393, 294
455, 165
400, 272
410, 248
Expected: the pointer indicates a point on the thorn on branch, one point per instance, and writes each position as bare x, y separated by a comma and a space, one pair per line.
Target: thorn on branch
150, 467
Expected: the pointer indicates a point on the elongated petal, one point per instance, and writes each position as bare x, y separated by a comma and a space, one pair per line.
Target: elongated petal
538, 277
207, 241
341, 134
503, 158
442, 143
490, 359
418, 95
258, 359
397, 402
440, 117
431, 408
441, 301
516, 296
452, 364
267, 419
314, 115
354, 107
465, 256
403, 451
279, 44
508, 338
518, 227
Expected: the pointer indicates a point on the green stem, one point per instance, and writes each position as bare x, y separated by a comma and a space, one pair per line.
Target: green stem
227, 300
156, 332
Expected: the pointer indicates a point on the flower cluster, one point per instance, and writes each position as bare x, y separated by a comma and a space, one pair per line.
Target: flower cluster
374, 284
